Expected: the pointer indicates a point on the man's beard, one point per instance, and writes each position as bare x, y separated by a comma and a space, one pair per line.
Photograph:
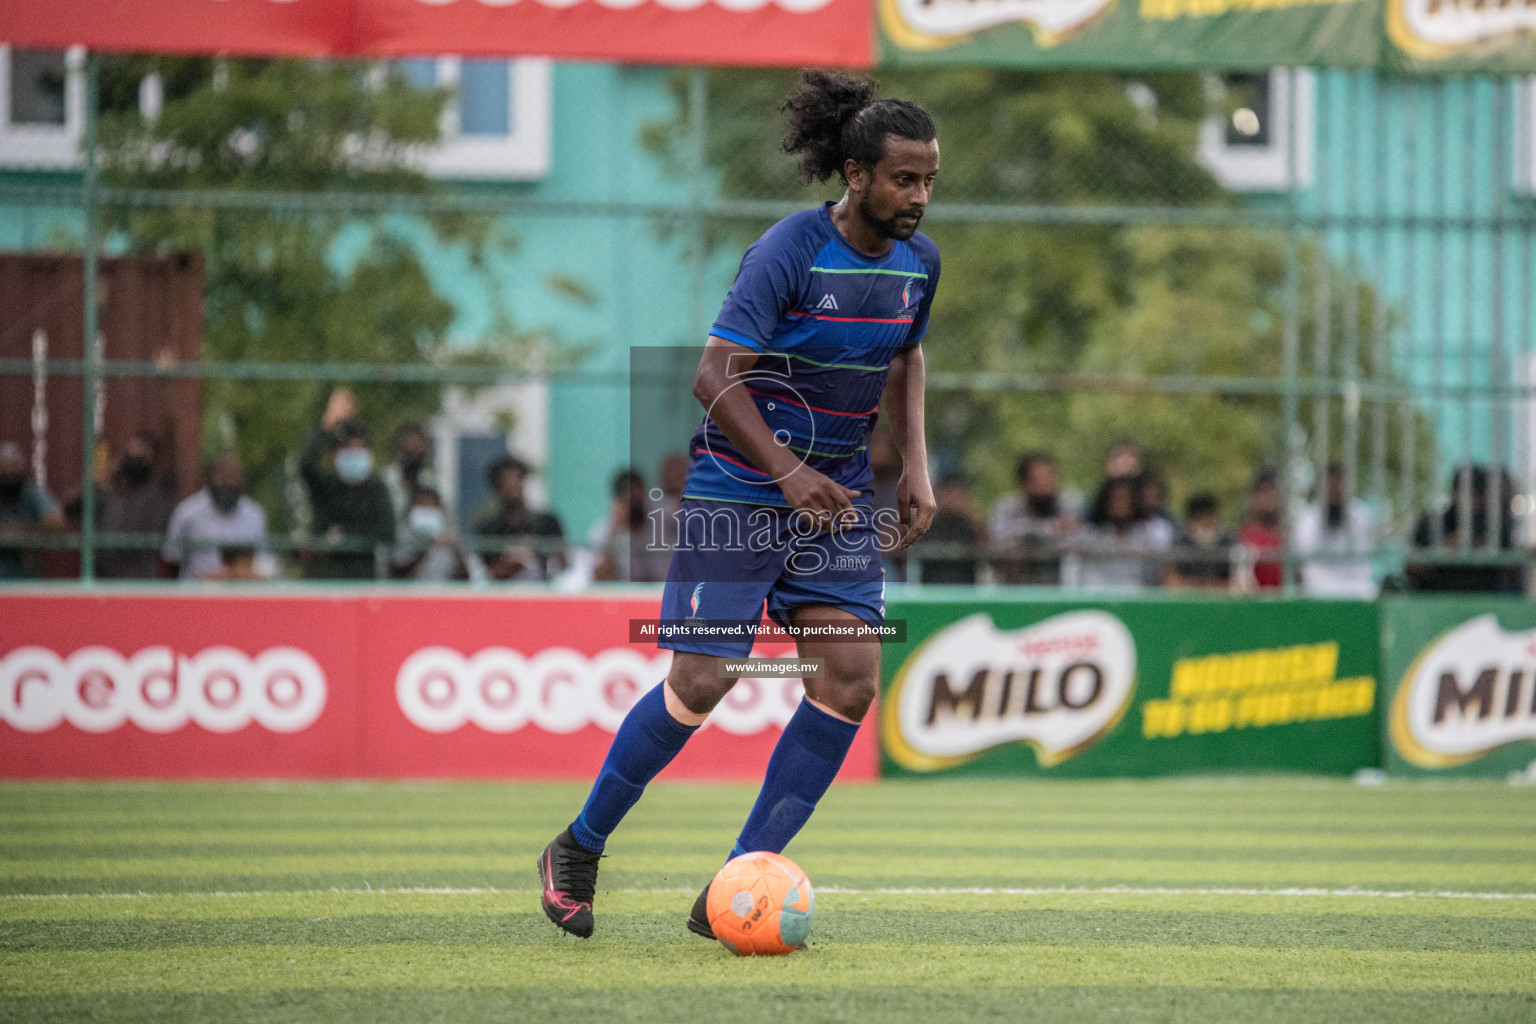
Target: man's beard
892, 227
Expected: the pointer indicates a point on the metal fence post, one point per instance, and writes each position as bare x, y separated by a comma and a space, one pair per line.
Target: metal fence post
1291, 334
698, 129
88, 350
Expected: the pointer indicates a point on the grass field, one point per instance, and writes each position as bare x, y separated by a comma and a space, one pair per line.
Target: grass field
1200, 900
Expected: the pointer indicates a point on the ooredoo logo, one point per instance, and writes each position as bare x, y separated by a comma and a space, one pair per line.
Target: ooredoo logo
560, 690
1470, 691
1058, 685
221, 689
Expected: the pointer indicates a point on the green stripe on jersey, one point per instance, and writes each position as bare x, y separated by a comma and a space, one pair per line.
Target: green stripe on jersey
861, 270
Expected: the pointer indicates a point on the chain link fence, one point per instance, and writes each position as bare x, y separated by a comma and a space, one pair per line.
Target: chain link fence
1299, 304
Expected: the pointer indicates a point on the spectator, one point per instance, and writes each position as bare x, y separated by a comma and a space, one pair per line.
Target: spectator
1468, 577
1152, 498
430, 550
535, 548
1339, 529
26, 510
956, 527
138, 498
219, 532
623, 541
1118, 549
411, 468
1205, 548
673, 475
1125, 458
1030, 523
1262, 531
353, 518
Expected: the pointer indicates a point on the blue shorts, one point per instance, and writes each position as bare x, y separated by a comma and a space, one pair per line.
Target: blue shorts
731, 557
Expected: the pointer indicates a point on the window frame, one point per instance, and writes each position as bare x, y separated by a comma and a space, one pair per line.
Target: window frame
1266, 168
44, 146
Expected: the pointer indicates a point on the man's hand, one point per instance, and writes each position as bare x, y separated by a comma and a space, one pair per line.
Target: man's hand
914, 507
340, 408
830, 505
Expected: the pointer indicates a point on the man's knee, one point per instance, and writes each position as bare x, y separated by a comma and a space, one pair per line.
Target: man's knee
695, 681
846, 689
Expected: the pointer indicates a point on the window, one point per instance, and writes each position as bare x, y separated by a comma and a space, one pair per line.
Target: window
497, 126
1248, 149
1249, 122
1525, 136
42, 107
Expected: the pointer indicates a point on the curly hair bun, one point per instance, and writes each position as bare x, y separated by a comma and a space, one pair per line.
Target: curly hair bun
834, 117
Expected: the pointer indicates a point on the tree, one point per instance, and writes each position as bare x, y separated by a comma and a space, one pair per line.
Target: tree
316, 285
1071, 294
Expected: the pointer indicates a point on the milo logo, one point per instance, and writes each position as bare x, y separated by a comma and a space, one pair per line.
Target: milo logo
1058, 685
1472, 690
1431, 29
929, 24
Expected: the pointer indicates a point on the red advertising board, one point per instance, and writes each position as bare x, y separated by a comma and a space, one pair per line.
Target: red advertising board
755, 32
351, 685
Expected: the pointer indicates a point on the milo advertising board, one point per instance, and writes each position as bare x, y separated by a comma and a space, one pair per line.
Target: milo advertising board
1129, 687
1461, 678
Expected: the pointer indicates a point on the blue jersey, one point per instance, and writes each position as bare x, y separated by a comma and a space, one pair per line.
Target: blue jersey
828, 320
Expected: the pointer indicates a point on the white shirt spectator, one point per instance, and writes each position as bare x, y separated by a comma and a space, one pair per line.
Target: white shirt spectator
1107, 560
198, 530
1339, 576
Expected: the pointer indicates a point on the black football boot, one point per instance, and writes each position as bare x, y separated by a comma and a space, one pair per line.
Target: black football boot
569, 873
698, 918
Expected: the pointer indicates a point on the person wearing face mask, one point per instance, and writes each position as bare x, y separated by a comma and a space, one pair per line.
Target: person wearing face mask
211, 529
1261, 532
25, 511
1206, 548
1030, 523
1340, 530
430, 550
135, 499
353, 519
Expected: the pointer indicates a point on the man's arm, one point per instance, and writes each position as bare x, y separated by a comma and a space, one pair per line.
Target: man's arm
903, 403
732, 409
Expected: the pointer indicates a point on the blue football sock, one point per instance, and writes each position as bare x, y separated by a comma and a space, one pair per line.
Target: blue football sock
804, 762
647, 740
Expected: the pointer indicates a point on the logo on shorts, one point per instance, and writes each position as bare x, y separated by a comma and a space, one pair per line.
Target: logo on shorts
693, 604
1470, 691
1058, 685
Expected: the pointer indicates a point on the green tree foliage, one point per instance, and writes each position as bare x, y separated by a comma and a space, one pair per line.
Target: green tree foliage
1060, 300
308, 285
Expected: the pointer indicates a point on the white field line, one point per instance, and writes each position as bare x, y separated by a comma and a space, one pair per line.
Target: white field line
1113, 890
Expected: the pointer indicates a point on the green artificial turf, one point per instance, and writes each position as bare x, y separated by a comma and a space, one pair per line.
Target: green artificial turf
1251, 900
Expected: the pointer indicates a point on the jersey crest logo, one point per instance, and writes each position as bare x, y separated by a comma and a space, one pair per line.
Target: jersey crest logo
827, 302
906, 293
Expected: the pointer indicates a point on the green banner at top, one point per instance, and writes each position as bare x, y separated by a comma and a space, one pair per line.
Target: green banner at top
1487, 36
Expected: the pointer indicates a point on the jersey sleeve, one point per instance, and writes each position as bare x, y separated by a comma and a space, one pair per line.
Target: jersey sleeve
930, 258
768, 286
